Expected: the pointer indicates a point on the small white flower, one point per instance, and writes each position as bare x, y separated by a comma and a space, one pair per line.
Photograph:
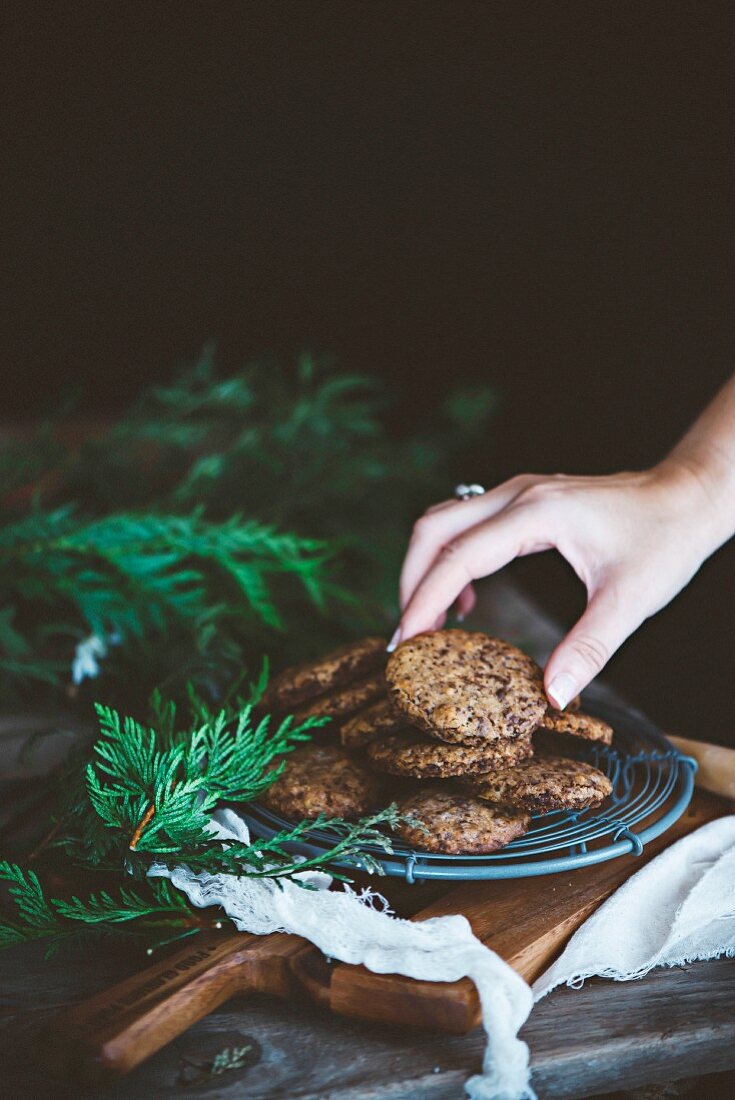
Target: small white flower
85, 665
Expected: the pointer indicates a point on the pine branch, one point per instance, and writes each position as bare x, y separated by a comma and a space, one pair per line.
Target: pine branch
146, 797
131, 574
360, 841
55, 919
35, 917
228, 1059
187, 594
104, 908
146, 589
154, 792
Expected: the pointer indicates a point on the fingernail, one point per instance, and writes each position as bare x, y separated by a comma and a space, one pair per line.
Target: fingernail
460, 616
561, 689
394, 640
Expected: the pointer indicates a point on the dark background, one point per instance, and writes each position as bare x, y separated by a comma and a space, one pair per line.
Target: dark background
532, 194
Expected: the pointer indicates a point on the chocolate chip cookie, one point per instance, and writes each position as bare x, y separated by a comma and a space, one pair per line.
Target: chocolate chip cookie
305, 682
578, 725
461, 686
417, 756
323, 779
458, 824
369, 724
340, 704
543, 784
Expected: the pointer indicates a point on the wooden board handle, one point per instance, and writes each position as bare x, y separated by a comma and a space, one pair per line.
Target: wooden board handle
716, 772
113, 1032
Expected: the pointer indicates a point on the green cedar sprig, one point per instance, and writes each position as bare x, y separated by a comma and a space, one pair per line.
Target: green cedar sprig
214, 513
136, 578
363, 841
156, 790
38, 917
146, 797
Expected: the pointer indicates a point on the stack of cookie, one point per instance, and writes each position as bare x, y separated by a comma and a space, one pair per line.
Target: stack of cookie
337, 685
463, 710
320, 777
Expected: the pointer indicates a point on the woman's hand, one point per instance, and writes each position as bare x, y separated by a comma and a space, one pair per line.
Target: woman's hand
633, 539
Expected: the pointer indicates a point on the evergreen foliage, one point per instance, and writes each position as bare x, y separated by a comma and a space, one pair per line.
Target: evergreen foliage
218, 517
133, 578
146, 798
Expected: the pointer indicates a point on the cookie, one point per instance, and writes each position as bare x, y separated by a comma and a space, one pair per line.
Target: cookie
323, 779
369, 724
543, 784
305, 682
341, 704
578, 725
460, 686
417, 756
458, 824
550, 743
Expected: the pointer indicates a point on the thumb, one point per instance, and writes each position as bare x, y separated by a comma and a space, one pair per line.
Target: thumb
610, 618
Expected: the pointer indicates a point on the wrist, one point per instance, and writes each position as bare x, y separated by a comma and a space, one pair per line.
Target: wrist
702, 481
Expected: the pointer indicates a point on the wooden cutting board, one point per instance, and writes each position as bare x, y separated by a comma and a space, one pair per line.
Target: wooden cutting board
526, 921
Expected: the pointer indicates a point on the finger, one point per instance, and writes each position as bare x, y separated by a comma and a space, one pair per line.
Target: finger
445, 522
611, 616
466, 601
436, 625
484, 549
441, 506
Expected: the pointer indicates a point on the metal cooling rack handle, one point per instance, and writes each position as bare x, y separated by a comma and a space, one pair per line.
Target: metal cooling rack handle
636, 844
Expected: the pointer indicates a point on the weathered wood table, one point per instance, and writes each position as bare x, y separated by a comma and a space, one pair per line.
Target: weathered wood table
603, 1038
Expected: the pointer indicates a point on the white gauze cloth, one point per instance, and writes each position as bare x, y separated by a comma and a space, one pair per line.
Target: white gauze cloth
677, 909
359, 928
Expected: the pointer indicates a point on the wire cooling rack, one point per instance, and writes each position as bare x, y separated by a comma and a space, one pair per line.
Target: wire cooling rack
652, 786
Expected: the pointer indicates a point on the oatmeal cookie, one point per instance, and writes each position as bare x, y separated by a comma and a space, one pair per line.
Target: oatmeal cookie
305, 682
341, 704
417, 756
578, 725
323, 779
461, 686
369, 724
458, 824
543, 784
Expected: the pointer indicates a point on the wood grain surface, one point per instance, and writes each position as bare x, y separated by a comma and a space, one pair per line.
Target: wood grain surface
605, 1036
120, 1027
715, 765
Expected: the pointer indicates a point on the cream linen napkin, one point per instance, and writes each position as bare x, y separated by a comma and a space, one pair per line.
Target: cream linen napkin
678, 908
